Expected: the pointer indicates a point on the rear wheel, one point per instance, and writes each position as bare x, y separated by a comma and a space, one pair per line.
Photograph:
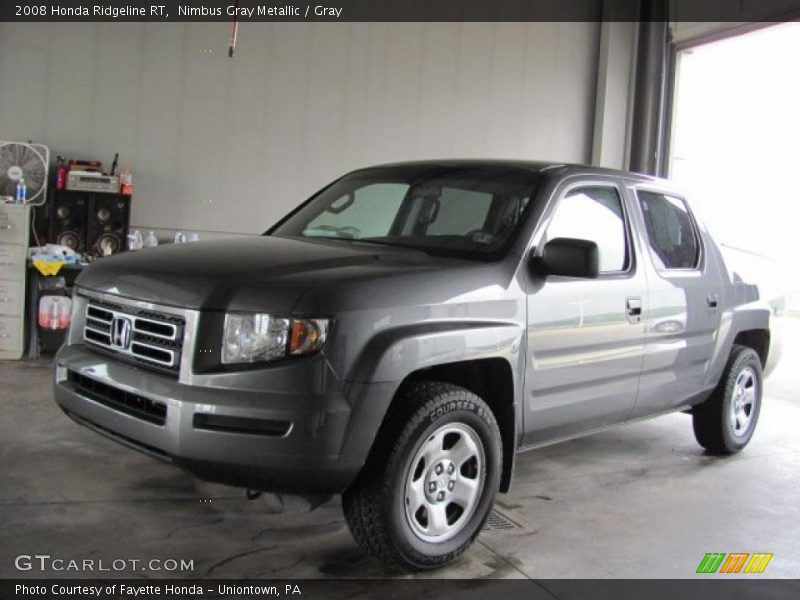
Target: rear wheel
725, 422
427, 489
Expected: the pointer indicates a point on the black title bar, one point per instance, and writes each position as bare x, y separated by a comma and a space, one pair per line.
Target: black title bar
702, 587
394, 10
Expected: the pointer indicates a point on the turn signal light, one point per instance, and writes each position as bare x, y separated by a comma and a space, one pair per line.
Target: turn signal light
307, 335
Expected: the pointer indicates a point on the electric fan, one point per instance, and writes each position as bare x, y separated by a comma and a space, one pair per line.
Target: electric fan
28, 161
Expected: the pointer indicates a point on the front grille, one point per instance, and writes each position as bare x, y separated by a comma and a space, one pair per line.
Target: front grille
144, 337
129, 403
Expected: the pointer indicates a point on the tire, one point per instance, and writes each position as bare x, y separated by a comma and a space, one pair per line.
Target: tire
440, 447
724, 424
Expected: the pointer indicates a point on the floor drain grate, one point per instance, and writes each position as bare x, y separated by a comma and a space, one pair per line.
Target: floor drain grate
497, 521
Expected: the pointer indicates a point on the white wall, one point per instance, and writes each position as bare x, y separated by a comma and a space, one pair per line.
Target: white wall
616, 72
229, 145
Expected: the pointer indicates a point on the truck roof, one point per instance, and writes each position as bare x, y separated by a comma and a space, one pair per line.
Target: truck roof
528, 165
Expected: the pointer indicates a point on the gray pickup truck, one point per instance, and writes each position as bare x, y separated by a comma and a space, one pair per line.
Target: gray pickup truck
400, 336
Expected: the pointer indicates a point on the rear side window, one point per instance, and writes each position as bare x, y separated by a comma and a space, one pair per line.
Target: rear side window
594, 213
671, 231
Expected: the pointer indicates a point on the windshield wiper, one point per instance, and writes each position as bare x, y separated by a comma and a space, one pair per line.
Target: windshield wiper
392, 244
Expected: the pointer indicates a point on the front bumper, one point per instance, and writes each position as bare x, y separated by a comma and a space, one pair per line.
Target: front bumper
217, 430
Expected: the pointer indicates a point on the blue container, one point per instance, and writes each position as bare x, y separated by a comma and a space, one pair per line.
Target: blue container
21, 192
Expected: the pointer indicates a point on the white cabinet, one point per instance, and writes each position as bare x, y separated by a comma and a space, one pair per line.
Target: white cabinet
14, 231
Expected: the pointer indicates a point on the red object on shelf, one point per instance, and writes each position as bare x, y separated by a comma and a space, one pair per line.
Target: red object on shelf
126, 181
61, 177
61, 173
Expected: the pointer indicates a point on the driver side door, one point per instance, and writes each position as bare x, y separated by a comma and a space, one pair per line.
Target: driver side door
585, 337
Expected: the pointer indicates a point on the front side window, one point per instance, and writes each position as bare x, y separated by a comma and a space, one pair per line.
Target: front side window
670, 230
594, 213
470, 212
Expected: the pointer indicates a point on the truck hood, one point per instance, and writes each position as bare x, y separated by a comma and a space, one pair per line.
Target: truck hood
248, 273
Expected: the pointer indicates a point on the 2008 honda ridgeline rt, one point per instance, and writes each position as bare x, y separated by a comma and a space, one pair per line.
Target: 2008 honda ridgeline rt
402, 334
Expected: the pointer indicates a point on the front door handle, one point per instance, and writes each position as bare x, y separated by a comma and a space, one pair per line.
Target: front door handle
712, 301
633, 309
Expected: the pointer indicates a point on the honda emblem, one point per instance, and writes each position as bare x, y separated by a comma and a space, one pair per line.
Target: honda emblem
121, 332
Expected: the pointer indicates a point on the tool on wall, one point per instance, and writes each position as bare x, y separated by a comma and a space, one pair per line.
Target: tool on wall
234, 31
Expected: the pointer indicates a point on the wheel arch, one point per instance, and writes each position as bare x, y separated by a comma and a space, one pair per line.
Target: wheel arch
491, 379
745, 325
758, 340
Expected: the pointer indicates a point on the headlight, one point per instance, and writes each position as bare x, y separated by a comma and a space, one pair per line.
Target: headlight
249, 338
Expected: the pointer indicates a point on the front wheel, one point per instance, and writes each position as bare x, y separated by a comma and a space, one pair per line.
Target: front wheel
725, 422
427, 489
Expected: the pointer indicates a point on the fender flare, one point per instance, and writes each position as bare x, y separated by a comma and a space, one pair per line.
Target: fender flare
394, 354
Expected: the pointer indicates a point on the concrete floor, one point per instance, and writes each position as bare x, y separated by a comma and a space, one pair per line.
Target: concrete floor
641, 501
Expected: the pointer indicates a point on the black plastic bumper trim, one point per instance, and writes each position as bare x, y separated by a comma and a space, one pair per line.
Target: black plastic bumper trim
228, 424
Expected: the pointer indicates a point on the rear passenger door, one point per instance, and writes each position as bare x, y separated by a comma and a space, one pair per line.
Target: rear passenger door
585, 336
682, 314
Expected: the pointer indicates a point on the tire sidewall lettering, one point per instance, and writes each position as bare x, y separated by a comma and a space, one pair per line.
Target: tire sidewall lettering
455, 405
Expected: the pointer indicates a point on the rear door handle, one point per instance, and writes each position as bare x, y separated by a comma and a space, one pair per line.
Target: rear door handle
633, 309
712, 302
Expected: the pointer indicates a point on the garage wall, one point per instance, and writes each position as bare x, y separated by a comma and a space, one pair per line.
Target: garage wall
229, 145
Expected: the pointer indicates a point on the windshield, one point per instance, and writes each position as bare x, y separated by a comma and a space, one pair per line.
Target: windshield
470, 212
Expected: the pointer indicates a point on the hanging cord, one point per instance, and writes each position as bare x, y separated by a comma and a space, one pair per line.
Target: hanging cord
33, 227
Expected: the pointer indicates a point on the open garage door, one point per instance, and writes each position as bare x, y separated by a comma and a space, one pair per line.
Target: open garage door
734, 147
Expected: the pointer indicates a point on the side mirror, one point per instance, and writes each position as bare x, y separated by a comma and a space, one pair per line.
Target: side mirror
569, 257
